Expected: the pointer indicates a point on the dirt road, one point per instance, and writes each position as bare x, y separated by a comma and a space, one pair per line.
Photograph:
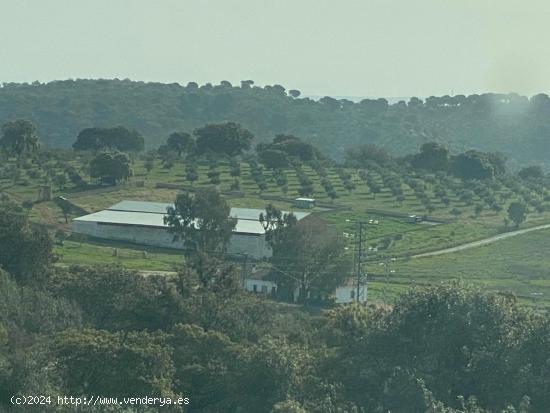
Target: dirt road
482, 241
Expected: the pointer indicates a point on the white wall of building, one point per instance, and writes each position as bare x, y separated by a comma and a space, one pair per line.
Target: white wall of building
157, 237
253, 245
259, 286
346, 294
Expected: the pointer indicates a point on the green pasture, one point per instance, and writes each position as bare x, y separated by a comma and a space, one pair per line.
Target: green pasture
107, 252
519, 265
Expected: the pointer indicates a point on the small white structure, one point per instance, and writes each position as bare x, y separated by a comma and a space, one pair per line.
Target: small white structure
143, 223
346, 294
414, 219
305, 203
260, 286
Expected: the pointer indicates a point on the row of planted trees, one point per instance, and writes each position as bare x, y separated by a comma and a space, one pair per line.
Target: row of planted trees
428, 175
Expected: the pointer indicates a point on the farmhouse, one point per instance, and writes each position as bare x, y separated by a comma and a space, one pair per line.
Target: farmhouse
143, 223
265, 287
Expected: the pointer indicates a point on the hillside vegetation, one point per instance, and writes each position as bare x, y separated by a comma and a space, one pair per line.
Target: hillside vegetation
515, 125
82, 316
381, 194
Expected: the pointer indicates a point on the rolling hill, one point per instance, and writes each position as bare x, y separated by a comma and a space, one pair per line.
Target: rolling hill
514, 125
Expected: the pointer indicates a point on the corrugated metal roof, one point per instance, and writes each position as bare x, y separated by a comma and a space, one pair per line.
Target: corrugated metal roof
151, 214
161, 207
125, 217
245, 226
254, 214
148, 219
141, 206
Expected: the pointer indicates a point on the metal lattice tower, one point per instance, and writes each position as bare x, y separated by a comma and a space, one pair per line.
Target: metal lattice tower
360, 273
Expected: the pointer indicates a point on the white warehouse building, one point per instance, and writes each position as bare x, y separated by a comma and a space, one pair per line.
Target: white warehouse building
143, 223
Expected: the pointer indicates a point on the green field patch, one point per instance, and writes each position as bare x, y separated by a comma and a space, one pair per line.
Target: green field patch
110, 252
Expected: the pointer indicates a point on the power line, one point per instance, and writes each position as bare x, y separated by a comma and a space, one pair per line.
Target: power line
360, 274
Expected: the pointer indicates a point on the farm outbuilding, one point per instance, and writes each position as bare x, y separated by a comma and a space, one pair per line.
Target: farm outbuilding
143, 223
305, 203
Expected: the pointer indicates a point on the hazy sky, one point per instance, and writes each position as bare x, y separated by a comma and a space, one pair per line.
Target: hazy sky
321, 47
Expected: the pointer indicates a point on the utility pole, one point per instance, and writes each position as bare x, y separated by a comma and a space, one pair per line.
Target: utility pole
361, 277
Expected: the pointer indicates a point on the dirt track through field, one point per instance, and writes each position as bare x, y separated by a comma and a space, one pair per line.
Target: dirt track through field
482, 241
